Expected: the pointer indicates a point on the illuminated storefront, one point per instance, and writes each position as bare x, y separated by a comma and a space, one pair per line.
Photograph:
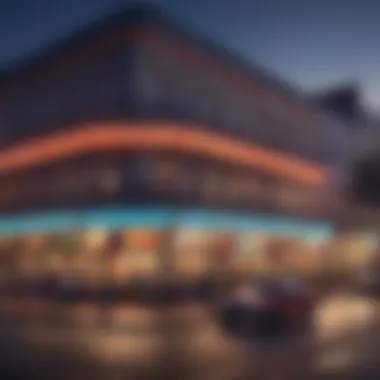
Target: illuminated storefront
191, 133
127, 243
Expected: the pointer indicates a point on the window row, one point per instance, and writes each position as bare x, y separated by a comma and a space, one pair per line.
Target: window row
170, 87
153, 179
117, 255
94, 90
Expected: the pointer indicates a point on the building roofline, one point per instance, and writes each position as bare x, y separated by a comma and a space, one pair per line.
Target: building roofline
139, 14
115, 21
124, 16
229, 57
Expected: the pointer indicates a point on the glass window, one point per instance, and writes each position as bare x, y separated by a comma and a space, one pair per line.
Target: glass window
95, 239
250, 251
149, 86
68, 246
191, 251
223, 246
137, 263
139, 255
109, 180
211, 187
250, 245
143, 239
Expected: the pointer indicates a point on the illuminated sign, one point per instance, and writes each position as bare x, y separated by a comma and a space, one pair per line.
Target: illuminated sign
159, 137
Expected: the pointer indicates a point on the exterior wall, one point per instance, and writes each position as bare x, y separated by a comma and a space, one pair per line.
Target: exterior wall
169, 85
160, 178
143, 79
304, 248
92, 88
140, 77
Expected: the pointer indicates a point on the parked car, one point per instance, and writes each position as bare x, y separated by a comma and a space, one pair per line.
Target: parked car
268, 307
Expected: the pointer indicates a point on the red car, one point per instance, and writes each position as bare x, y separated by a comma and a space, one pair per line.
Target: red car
268, 307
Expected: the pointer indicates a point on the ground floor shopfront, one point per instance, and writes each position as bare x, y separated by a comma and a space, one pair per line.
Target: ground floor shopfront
123, 243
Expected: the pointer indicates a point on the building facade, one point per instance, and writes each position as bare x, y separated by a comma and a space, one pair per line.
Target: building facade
134, 126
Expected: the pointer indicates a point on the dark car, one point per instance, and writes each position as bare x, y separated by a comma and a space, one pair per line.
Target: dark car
268, 307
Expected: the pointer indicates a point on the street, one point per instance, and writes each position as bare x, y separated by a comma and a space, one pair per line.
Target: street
184, 342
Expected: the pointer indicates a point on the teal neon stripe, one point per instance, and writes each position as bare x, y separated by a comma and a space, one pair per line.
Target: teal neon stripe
161, 217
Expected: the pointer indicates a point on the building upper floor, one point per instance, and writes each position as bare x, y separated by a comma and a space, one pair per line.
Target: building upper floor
139, 65
156, 164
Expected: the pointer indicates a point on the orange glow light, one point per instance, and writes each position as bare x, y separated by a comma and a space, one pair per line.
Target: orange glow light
157, 136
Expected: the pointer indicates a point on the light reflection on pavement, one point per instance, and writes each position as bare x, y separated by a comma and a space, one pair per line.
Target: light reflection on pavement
347, 334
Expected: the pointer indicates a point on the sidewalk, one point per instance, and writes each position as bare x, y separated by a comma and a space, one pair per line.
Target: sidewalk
196, 343
86, 315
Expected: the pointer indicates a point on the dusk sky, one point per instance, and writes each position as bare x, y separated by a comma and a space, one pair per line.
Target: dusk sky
312, 44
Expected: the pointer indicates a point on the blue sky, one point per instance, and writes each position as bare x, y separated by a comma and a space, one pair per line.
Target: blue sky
310, 43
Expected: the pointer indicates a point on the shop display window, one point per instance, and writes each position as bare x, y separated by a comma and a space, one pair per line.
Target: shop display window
191, 251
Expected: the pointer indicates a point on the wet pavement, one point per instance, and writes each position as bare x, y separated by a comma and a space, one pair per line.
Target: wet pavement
185, 342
